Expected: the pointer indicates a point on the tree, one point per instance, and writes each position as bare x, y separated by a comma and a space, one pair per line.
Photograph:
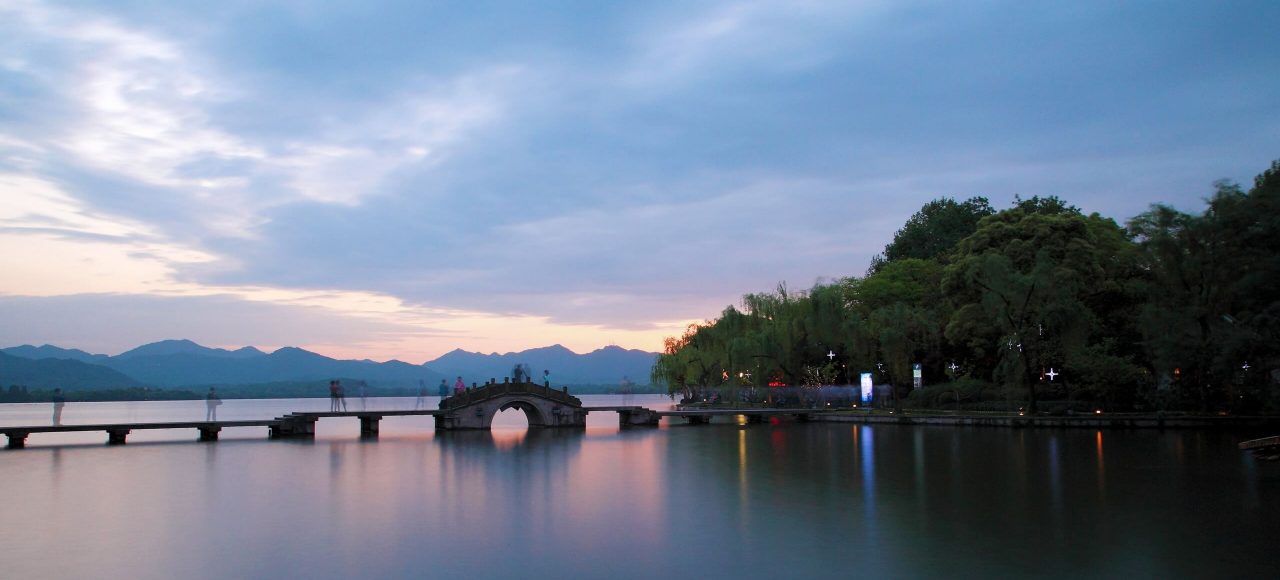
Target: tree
901, 308
1214, 293
1033, 285
934, 231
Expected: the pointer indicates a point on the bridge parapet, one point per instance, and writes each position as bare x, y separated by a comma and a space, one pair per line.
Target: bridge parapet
544, 407
473, 396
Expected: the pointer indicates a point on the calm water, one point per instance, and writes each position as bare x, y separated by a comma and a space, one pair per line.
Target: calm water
720, 500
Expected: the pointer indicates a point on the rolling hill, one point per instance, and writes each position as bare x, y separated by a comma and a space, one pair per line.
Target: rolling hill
183, 363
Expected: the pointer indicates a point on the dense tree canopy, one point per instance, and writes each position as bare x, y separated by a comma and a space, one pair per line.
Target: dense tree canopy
933, 231
1211, 318
1037, 302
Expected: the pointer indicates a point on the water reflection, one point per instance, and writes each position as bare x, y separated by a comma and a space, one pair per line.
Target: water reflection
918, 460
780, 499
1101, 466
1055, 478
868, 457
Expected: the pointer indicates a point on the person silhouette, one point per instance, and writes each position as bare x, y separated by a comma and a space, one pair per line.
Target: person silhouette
211, 402
333, 396
422, 395
59, 402
444, 388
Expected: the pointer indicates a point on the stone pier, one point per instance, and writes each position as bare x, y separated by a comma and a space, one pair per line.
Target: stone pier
637, 417
294, 426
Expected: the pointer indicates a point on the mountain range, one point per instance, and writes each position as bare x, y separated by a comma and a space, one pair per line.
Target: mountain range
183, 363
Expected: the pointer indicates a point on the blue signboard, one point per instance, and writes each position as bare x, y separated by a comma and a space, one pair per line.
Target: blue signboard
866, 387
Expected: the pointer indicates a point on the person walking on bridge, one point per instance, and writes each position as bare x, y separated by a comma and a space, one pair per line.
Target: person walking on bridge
421, 403
59, 402
211, 402
333, 396
459, 387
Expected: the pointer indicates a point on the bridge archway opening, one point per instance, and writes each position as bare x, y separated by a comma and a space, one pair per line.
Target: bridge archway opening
532, 415
510, 419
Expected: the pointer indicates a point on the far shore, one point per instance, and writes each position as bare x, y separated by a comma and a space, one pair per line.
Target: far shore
1093, 421
1097, 420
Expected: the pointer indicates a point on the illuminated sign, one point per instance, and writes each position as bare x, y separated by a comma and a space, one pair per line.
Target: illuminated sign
866, 387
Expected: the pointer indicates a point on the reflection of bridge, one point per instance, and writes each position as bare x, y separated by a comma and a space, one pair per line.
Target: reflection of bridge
1267, 448
472, 409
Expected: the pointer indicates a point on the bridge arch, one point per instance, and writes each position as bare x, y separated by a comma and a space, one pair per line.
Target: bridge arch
542, 407
532, 413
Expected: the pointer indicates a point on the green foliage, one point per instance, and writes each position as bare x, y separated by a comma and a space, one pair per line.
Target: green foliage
1035, 286
933, 231
1008, 295
1214, 294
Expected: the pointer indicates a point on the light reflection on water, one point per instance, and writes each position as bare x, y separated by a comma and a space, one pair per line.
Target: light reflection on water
776, 498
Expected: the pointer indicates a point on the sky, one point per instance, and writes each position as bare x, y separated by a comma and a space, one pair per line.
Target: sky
398, 179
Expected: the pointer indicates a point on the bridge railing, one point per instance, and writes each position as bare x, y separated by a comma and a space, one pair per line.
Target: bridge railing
501, 389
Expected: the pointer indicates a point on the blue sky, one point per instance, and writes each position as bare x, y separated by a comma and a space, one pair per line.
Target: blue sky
398, 179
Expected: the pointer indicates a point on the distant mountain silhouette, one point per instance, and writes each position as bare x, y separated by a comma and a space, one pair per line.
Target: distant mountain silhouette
175, 364
608, 365
183, 363
171, 347
50, 351
50, 373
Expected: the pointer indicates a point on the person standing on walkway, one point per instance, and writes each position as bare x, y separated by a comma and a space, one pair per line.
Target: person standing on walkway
421, 403
444, 388
59, 402
342, 396
459, 387
546, 378
211, 402
333, 396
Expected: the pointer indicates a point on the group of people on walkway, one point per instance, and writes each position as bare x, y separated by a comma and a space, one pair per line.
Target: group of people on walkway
337, 397
442, 390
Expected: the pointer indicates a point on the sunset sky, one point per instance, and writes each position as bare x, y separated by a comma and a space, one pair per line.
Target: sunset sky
394, 180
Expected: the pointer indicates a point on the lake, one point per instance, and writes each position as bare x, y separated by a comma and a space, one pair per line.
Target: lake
775, 499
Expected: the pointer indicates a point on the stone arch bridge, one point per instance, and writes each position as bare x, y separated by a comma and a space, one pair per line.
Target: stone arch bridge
543, 406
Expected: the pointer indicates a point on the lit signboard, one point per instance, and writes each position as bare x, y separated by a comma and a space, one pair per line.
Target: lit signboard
866, 387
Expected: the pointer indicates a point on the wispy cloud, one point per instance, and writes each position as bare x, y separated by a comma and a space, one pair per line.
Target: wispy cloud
431, 176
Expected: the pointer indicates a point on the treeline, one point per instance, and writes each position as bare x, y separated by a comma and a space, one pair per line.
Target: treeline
21, 394
1037, 302
278, 390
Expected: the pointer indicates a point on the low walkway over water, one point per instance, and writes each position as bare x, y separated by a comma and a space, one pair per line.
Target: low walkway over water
474, 409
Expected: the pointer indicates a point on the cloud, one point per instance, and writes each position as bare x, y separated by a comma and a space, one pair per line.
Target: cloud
143, 107
523, 174
107, 323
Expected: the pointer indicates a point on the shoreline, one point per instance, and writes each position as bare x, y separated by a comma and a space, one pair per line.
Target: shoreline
1081, 421
1088, 421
